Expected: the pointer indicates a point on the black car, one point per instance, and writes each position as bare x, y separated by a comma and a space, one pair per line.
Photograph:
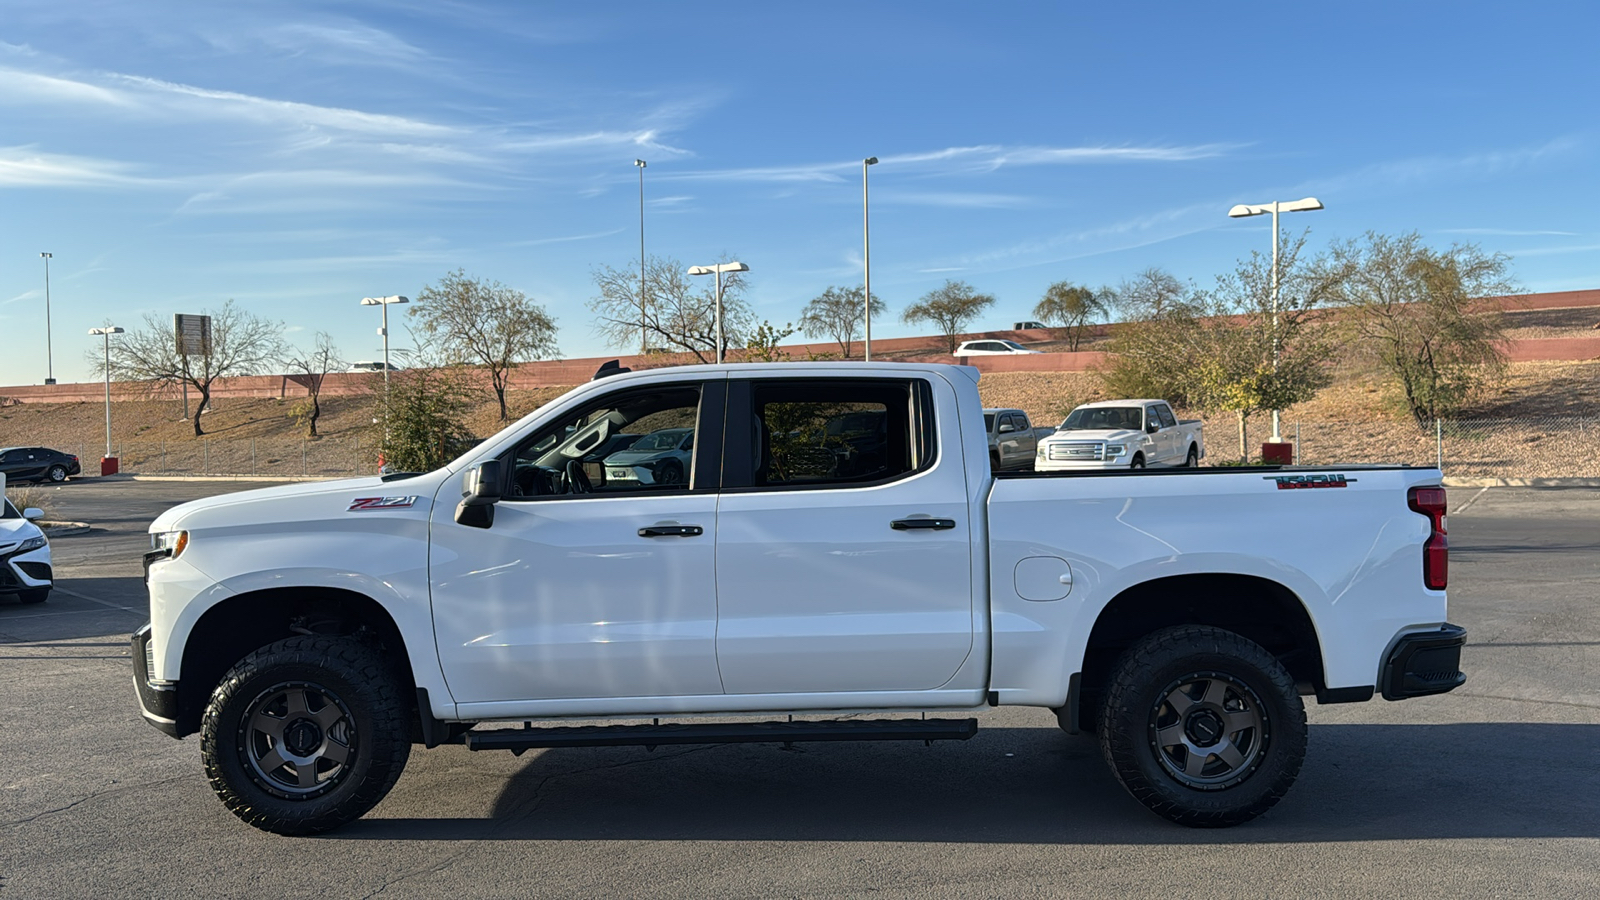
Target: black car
37, 464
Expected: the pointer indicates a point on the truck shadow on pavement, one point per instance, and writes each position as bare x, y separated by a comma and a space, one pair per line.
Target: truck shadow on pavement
1021, 785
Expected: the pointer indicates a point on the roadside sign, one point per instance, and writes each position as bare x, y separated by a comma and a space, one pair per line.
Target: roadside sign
193, 333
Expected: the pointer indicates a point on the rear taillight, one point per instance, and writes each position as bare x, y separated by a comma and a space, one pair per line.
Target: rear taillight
1429, 501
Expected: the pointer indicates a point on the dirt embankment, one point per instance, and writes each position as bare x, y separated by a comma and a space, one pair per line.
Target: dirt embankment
1545, 422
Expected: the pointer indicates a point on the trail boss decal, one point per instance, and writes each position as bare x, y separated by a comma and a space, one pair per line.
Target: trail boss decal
1296, 482
382, 503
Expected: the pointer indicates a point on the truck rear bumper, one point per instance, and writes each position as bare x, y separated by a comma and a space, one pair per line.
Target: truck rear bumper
1423, 663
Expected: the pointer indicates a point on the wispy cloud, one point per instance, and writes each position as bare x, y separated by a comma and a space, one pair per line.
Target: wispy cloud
1506, 232
29, 167
535, 242
952, 199
1425, 169
18, 87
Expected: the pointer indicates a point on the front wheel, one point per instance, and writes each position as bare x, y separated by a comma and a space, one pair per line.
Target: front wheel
1138, 461
37, 595
305, 734
1203, 726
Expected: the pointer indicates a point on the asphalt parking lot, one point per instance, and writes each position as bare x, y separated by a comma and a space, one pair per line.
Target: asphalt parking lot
1488, 791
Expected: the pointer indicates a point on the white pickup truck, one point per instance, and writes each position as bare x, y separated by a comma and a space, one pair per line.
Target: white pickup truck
311, 634
1122, 434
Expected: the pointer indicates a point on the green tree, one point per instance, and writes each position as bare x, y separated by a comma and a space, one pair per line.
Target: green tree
950, 308
839, 313
420, 422
678, 314
1415, 308
487, 324
1068, 308
762, 345
242, 343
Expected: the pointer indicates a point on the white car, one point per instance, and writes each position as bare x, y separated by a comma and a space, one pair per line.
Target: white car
660, 457
992, 348
356, 367
24, 553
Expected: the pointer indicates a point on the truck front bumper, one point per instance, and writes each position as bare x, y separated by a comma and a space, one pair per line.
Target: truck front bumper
158, 700
1423, 663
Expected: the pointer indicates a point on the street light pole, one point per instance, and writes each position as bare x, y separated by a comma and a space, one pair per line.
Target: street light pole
49, 362
644, 339
717, 270
384, 302
866, 258
1243, 210
107, 332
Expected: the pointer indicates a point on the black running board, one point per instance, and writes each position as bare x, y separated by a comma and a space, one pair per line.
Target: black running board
650, 736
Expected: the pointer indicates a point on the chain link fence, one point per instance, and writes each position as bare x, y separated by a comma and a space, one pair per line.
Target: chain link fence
328, 458
1529, 447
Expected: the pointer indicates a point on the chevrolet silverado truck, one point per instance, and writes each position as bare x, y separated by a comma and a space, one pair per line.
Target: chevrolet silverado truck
1117, 434
803, 573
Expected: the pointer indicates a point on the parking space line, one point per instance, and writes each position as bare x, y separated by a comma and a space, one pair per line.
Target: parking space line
72, 593
1463, 507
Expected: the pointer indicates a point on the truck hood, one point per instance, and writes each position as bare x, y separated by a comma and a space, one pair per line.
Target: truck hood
314, 500
1118, 434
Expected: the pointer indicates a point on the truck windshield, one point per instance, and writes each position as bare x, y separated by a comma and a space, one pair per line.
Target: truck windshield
1102, 417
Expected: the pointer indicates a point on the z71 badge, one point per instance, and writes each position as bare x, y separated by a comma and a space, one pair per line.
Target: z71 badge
1296, 482
382, 503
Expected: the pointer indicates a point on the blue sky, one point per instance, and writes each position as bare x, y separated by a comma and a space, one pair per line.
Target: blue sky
297, 157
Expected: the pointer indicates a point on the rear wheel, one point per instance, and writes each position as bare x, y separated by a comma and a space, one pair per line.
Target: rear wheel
1193, 459
58, 473
305, 734
1203, 726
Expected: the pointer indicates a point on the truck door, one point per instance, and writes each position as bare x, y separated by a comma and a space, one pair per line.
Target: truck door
843, 540
593, 580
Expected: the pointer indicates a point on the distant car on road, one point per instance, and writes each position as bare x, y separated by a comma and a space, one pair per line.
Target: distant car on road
660, 457
1026, 326
38, 464
372, 367
24, 554
991, 348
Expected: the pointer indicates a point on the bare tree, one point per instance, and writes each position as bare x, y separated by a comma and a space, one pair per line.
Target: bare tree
1068, 308
487, 324
950, 308
1146, 296
679, 315
838, 313
1415, 308
310, 367
242, 343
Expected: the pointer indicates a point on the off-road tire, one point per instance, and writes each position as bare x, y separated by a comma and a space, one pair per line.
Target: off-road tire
1220, 792
37, 595
355, 690
57, 474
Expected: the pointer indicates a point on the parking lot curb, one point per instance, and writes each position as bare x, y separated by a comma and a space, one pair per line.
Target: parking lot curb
63, 529
1523, 482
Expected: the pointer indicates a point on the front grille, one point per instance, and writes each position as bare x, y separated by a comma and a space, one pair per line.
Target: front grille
1082, 451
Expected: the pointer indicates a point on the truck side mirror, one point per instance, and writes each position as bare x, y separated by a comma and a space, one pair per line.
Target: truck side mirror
476, 508
1152, 427
1007, 428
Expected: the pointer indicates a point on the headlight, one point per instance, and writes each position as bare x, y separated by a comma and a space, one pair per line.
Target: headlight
1040, 451
1115, 449
170, 544
33, 543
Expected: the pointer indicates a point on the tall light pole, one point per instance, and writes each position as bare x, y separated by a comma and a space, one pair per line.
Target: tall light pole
717, 270
107, 332
1244, 210
644, 340
866, 257
384, 302
49, 363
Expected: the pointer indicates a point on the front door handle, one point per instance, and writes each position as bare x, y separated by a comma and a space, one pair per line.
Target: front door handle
922, 524
671, 531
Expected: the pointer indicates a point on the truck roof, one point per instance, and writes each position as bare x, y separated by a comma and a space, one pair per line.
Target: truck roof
1102, 403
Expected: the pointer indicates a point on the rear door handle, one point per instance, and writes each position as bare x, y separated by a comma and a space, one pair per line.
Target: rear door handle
672, 531
922, 524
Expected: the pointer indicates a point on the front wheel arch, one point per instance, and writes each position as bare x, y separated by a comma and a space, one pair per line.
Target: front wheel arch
241, 624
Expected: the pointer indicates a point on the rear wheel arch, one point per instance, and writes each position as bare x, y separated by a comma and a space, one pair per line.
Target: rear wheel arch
242, 624
1255, 608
